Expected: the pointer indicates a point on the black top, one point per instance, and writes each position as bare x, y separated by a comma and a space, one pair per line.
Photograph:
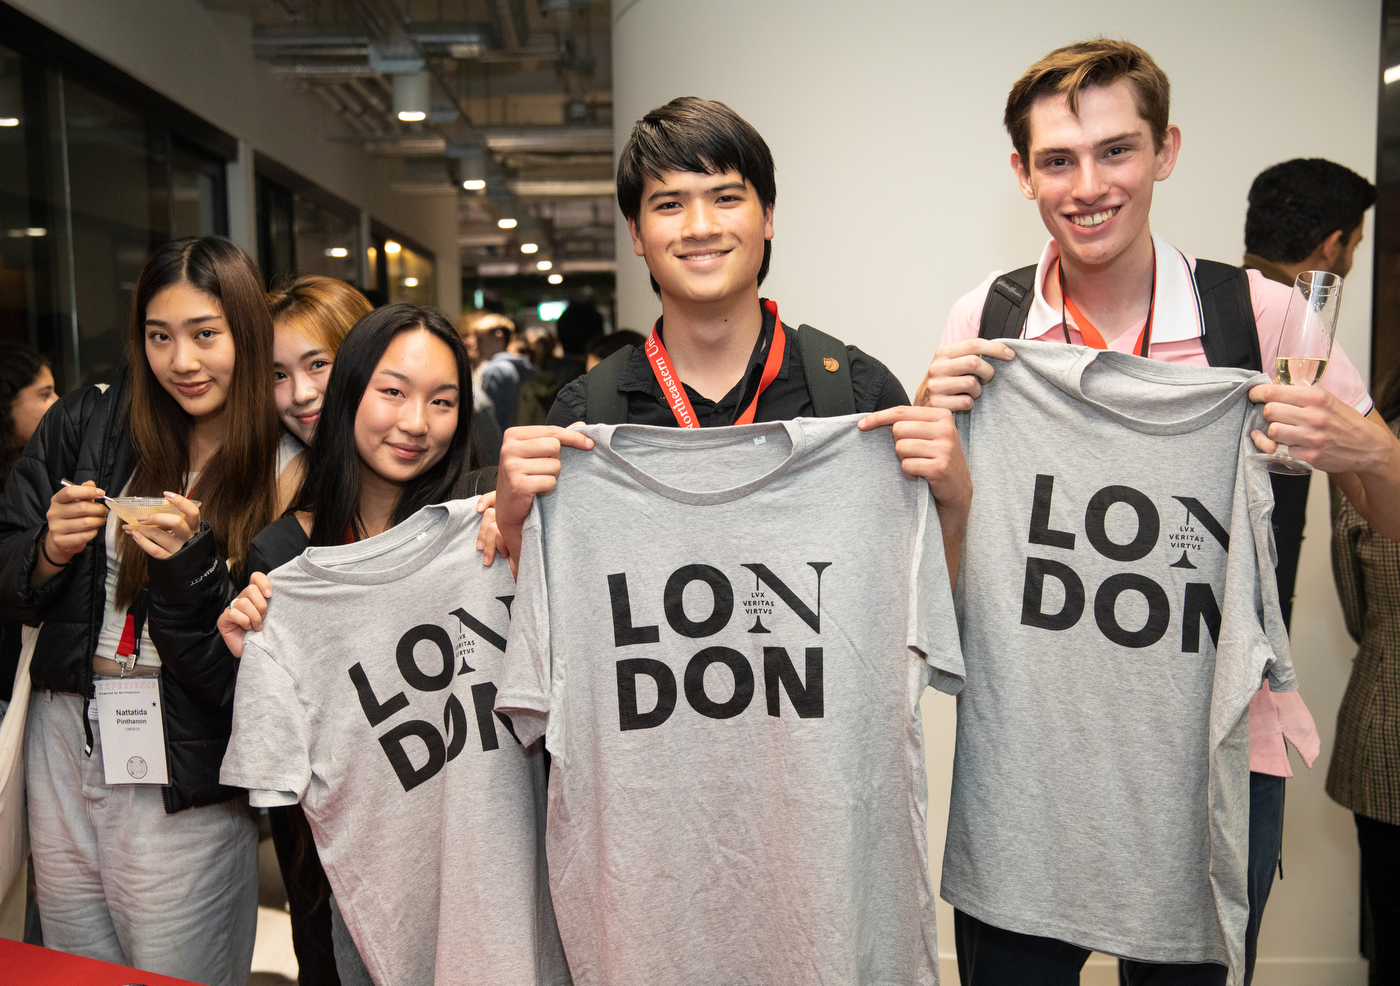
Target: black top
86, 436
874, 385
277, 544
284, 539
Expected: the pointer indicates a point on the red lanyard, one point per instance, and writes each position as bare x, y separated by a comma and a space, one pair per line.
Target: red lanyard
674, 390
1091, 336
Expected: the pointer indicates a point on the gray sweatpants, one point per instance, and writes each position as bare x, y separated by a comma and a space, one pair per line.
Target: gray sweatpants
121, 881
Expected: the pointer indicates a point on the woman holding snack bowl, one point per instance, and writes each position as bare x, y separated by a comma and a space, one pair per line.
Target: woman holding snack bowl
141, 857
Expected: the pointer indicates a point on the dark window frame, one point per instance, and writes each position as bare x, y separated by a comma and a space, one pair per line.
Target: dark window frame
28, 37
175, 137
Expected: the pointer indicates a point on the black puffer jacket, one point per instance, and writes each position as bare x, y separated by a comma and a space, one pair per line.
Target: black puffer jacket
84, 436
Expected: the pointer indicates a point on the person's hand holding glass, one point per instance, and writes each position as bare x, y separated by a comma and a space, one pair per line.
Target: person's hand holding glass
1304, 347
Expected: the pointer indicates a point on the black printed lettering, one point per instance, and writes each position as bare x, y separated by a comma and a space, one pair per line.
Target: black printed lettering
1198, 510
629, 716
481, 629
375, 711
408, 667
695, 683
674, 601
1033, 593
624, 633
808, 701
484, 699
1149, 523
1040, 517
812, 619
1158, 609
454, 723
393, 744
1199, 604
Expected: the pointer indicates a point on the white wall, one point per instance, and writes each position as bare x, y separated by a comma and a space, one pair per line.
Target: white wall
895, 197
203, 60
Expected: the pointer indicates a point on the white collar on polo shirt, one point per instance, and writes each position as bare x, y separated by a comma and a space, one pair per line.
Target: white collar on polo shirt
1178, 304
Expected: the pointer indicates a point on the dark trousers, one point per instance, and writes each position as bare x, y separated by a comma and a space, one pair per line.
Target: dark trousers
989, 956
308, 896
1265, 845
1380, 879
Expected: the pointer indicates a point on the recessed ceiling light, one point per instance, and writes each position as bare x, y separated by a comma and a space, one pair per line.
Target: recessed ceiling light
412, 116
506, 223
410, 282
474, 184
37, 231
392, 247
556, 278
9, 121
529, 248
337, 252
544, 265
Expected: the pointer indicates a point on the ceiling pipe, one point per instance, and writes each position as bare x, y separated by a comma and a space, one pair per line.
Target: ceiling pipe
361, 88
371, 121
352, 104
334, 101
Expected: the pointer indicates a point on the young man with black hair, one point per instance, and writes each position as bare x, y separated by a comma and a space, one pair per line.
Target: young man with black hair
1090, 128
1305, 214
817, 807
696, 185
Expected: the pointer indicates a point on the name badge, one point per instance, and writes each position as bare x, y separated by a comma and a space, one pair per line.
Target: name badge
132, 728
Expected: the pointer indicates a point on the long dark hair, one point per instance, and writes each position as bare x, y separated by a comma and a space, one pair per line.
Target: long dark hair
331, 489
19, 367
238, 485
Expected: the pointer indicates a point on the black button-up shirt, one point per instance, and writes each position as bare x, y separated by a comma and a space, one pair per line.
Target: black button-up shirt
875, 389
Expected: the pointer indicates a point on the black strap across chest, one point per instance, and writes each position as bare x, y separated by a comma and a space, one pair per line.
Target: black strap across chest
1231, 338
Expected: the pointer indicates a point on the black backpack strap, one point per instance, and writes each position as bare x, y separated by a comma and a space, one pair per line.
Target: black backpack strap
1231, 337
606, 405
828, 369
1008, 304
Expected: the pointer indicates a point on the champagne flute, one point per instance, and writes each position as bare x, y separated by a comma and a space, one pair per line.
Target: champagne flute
1304, 347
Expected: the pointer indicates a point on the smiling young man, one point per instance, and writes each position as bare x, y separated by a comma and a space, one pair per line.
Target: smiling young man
1090, 128
696, 185
811, 886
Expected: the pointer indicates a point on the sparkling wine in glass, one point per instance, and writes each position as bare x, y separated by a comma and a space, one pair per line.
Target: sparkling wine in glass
1303, 350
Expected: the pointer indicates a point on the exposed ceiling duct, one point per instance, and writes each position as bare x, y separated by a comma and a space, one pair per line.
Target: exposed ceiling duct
312, 41
506, 104
562, 187
552, 140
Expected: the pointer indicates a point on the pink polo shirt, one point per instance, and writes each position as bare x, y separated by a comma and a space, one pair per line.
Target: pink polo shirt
1177, 327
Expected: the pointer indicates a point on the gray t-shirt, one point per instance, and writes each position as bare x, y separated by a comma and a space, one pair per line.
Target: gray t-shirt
1118, 610
723, 635
368, 697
